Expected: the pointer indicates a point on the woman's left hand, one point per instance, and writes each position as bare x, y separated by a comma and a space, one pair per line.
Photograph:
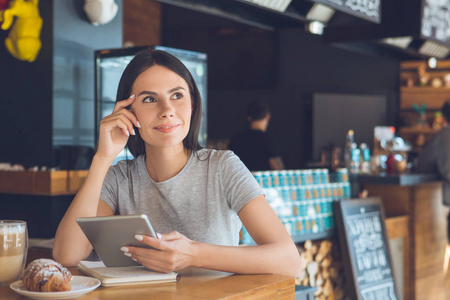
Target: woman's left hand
172, 252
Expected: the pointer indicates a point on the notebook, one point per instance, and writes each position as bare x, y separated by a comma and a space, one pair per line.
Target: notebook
115, 276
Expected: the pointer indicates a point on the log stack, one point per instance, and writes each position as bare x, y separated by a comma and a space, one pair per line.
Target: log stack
322, 268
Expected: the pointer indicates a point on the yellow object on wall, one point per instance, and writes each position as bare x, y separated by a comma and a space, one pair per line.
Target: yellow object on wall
23, 40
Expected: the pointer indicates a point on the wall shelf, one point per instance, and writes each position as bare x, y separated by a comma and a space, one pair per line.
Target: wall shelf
423, 89
417, 130
432, 97
44, 183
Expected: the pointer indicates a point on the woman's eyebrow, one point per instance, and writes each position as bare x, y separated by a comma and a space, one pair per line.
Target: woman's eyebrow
147, 93
168, 92
176, 89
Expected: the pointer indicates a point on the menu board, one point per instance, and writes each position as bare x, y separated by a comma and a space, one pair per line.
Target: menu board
365, 249
365, 9
436, 20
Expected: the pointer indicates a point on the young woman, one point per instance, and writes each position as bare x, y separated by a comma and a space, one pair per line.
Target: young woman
195, 198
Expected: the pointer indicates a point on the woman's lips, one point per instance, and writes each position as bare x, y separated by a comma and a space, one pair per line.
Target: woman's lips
166, 128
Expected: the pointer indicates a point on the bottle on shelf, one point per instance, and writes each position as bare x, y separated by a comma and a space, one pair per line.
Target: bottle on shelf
348, 150
355, 163
364, 159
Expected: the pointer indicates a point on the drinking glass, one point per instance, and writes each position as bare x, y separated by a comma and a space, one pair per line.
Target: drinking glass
13, 250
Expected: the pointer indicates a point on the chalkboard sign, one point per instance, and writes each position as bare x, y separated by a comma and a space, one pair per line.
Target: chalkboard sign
367, 9
365, 249
436, 20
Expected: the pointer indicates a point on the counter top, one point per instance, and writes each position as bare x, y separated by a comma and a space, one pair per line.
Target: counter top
397, 179
42, 183
195, 283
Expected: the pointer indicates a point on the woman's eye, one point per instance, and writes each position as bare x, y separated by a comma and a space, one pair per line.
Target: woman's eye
148, 100
177, 96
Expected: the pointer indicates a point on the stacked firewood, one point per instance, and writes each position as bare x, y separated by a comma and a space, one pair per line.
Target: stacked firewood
322, 269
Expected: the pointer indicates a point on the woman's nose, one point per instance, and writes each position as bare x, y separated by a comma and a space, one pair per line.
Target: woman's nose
166, 110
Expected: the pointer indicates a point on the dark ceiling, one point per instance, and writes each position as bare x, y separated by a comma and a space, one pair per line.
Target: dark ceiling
247, 19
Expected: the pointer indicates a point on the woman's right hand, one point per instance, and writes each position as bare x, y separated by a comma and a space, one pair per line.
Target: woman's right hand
116, 128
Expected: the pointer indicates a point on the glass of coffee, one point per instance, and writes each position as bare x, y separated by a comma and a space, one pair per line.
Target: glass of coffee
13, 250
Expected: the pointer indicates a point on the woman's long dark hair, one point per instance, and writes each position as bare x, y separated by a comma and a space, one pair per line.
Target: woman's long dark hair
143, 60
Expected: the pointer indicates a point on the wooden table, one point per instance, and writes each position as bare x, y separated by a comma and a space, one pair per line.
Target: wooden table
194, 284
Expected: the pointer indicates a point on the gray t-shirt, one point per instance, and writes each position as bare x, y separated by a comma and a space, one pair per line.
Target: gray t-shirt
201, 202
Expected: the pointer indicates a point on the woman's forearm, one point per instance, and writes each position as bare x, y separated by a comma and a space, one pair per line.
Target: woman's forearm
275, 253
71, 245
277, 258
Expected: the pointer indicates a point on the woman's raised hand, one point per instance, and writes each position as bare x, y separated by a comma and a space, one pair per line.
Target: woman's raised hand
116, 128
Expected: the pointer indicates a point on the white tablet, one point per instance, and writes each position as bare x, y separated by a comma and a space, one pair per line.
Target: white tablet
108, 234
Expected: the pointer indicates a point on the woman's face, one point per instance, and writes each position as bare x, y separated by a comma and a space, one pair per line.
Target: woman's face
163, 107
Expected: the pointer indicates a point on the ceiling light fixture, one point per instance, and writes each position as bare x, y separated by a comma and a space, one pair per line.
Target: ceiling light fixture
321, 13
279, 5
432, 62
315, 27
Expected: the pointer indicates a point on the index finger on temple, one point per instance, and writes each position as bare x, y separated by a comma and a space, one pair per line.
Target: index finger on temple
124, 103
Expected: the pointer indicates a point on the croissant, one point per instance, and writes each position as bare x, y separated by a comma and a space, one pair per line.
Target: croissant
46, 275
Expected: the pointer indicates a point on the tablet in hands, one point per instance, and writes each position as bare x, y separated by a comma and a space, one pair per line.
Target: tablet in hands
108, 234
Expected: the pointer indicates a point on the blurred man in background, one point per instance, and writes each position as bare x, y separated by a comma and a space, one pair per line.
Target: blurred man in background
435, 157
257, 150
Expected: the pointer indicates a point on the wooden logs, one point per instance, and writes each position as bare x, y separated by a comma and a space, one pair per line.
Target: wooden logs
322, 269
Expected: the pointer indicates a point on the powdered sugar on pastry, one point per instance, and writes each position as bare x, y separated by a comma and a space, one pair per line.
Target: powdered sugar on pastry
46, 275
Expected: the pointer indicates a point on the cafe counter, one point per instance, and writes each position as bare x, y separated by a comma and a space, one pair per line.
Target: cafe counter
419, 197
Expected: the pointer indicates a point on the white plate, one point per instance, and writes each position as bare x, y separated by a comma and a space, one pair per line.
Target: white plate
80, 285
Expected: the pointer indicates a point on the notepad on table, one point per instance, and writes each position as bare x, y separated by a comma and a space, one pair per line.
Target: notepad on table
124, 275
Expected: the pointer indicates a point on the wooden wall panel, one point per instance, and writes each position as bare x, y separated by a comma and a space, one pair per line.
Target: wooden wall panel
141, 22
398, 227
434, 98
395, 201
430, 228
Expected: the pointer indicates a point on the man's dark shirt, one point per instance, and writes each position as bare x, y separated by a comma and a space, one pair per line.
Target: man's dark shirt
435, 158
254, 148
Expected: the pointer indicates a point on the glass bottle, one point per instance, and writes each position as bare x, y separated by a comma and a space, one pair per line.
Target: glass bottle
364, 158
355, 163
348, 150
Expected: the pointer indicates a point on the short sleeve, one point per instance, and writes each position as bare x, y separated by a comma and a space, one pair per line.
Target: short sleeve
110, 189
237, 181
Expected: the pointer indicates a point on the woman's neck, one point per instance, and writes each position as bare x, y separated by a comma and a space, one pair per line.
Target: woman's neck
163, 164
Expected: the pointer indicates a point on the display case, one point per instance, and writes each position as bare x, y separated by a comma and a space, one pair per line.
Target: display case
109, 66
